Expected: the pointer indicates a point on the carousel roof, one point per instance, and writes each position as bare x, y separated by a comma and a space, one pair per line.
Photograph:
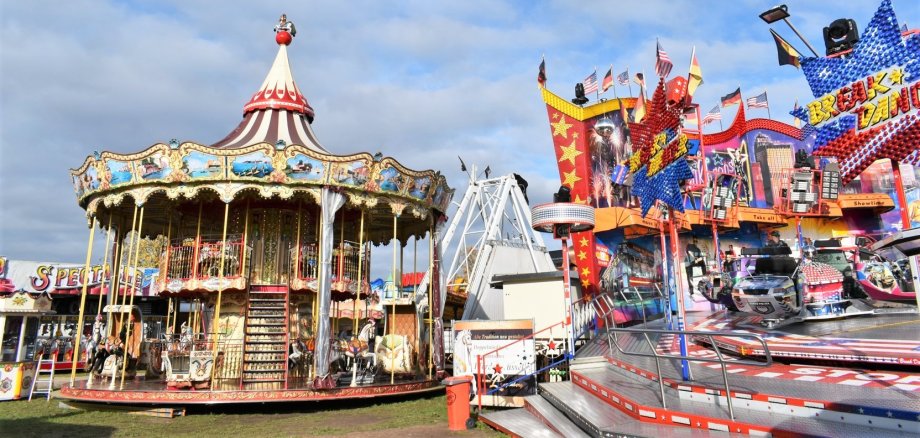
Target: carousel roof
277, 111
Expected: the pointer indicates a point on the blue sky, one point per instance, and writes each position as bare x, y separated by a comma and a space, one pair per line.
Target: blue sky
422, 81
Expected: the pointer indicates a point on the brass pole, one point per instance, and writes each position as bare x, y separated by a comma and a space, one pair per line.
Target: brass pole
121, 315
245, 241
105, 264
360, 278
115, 281
197, 243
431, 275
297, 244
79, 338
341, 273
168, 248
220, 289
395, 294
134, 280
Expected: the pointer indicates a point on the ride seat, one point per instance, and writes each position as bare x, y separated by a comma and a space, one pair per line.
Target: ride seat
775, 266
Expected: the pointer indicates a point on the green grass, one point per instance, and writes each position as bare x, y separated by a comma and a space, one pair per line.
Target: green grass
423, 416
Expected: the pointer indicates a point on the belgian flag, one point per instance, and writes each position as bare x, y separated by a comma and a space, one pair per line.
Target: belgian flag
786, 54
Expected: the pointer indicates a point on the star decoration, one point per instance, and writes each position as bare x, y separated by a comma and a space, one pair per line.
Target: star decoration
570, 178
658, 165
578, 200
881, 49
561, 128
552, 345
582, 255
585, 272
585, 283
497, 368
569, 153
583, 242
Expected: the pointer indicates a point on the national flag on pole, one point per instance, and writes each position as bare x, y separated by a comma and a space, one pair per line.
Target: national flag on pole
640, 79
639, 109
732, 98
714, 114
541, 75
695, 78
795, 120
590, 83
663, 63
608, 80
786, 54
623, 78
759, 101
690, 115
623, 114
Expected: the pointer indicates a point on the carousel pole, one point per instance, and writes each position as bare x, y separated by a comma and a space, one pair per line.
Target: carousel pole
393, 323
360, 273
121, 315
679, 286
314, 320
664, 269
297, 242
105, 264
906, 225
134, 280
79, 338
220, 288
431, 274
168, 240
197, 242
115, 280
341, 273
245, 240
418, 323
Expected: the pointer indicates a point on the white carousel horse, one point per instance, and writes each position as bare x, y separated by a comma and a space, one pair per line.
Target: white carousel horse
394, 353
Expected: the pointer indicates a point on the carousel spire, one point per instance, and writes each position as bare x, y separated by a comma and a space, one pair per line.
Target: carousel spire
278, 111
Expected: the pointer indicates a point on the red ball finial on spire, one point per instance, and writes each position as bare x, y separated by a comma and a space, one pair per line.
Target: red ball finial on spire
284, 31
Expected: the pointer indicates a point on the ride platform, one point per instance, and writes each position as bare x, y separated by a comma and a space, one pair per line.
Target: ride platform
141, 392
887, 335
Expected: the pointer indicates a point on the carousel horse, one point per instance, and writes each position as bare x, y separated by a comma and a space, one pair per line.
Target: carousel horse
91, 346
395, 354
297, 352
185, 337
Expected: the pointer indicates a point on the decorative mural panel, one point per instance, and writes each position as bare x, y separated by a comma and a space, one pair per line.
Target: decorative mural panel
200, 165
301, 167
256, 164
117, 172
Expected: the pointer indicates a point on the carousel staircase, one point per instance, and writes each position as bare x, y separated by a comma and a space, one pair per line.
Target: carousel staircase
266, 345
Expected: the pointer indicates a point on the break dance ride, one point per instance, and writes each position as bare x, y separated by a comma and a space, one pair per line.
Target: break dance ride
267, 263
791, 338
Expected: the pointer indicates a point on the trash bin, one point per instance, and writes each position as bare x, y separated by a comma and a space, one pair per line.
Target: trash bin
458, 402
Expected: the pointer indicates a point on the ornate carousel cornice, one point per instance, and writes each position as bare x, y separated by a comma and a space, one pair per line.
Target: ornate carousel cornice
189, 169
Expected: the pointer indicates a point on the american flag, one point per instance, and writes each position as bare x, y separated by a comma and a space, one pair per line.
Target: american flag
758, 101
663, 64
623, 78
590, 83
714, 114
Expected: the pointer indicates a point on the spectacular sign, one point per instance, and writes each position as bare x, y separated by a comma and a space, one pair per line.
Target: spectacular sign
878, 98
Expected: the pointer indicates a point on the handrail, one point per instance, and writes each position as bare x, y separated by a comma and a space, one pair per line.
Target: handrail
480, 385
613, 341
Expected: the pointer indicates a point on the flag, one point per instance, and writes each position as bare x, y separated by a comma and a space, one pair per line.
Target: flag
695, 78
623, 114
608, 80
714, 114
786, 54
639, 109
623, 78
541, 75
690, 115
732, 98
663, 63
640, 79
759, 101
904, 28
590, 83
795, 120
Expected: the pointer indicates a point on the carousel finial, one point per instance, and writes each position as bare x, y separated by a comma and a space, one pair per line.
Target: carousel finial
284, 31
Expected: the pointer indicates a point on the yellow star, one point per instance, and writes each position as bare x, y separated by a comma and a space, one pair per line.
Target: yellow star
582, 255
585, 282
585, 272
897, 76
569, 153
570, 179
555, 116
578, 200
583, 242
561, 128
574, 135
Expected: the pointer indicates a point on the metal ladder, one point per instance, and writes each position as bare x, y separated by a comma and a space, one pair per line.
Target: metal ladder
38, 380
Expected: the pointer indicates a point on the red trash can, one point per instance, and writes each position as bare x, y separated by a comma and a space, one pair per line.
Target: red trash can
458, 402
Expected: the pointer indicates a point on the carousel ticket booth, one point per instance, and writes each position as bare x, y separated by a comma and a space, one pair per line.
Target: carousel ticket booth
19, 318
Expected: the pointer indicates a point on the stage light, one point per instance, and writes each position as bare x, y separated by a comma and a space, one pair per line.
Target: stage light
775, 14
781, 12
563, 195
830, 181
580, 98
840, 35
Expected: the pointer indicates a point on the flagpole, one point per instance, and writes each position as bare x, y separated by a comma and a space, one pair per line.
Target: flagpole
768, 104
642, 87
687, 87
614, 84
628, 82
597, 90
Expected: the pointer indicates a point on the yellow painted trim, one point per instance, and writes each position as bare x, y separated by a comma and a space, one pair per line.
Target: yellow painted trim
584, 113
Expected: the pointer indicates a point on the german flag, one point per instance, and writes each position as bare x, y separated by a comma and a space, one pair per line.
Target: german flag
732, 98
786, 54
541, 74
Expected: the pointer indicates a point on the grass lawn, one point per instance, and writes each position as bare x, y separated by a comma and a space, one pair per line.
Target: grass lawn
407, 417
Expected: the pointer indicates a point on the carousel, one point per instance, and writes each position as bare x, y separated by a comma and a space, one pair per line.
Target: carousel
266, 265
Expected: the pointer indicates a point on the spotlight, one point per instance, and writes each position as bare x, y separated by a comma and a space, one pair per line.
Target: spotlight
775, 14
563, 195
580, 98
840, 35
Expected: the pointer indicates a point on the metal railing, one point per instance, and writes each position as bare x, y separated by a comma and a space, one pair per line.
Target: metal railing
344, 264
190, 261
613, 340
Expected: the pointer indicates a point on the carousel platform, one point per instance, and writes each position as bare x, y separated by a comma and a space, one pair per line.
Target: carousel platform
617, 394
141, 392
